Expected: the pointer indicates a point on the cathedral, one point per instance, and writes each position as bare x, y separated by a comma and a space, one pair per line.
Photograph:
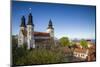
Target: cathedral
34, 39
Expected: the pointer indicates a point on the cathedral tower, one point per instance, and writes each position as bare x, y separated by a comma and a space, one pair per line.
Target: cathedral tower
30, 33
50, 29
23, 25
21, 37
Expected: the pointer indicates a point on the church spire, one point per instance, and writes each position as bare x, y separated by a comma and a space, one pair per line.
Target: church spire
23, 22
50, 26
30, 21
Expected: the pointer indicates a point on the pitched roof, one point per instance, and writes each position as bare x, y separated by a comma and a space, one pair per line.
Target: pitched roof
44, 34
66, 49
40, 34
80, 50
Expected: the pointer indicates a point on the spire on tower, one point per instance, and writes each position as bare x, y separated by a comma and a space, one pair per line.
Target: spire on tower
23, 22
50, 25
30, 21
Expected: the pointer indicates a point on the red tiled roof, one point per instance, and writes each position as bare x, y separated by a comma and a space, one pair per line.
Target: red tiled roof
80, 50
44, 34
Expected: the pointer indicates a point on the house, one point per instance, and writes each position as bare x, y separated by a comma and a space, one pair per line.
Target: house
34, 39
81, 53
88, 54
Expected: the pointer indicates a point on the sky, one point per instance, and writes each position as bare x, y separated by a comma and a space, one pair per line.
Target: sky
73, 21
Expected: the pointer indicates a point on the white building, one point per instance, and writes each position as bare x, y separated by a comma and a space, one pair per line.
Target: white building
31, 38
81, 53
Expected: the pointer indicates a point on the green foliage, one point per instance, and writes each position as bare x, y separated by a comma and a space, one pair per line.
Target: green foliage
14, 42
22, 56
24, 46
64, 41
42, 57
36, 56
18, 53
83, 43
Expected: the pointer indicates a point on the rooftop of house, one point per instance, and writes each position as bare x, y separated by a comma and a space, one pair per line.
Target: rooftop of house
80, 50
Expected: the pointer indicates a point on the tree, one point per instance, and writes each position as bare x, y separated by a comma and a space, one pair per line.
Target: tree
83, 43
17, 53
36, 56
64, 41
14, 42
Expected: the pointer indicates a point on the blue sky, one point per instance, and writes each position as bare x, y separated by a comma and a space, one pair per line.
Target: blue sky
73, 21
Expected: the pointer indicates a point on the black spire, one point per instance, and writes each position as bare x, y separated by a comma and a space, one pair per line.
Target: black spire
30, 21
50, 24
23, 22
